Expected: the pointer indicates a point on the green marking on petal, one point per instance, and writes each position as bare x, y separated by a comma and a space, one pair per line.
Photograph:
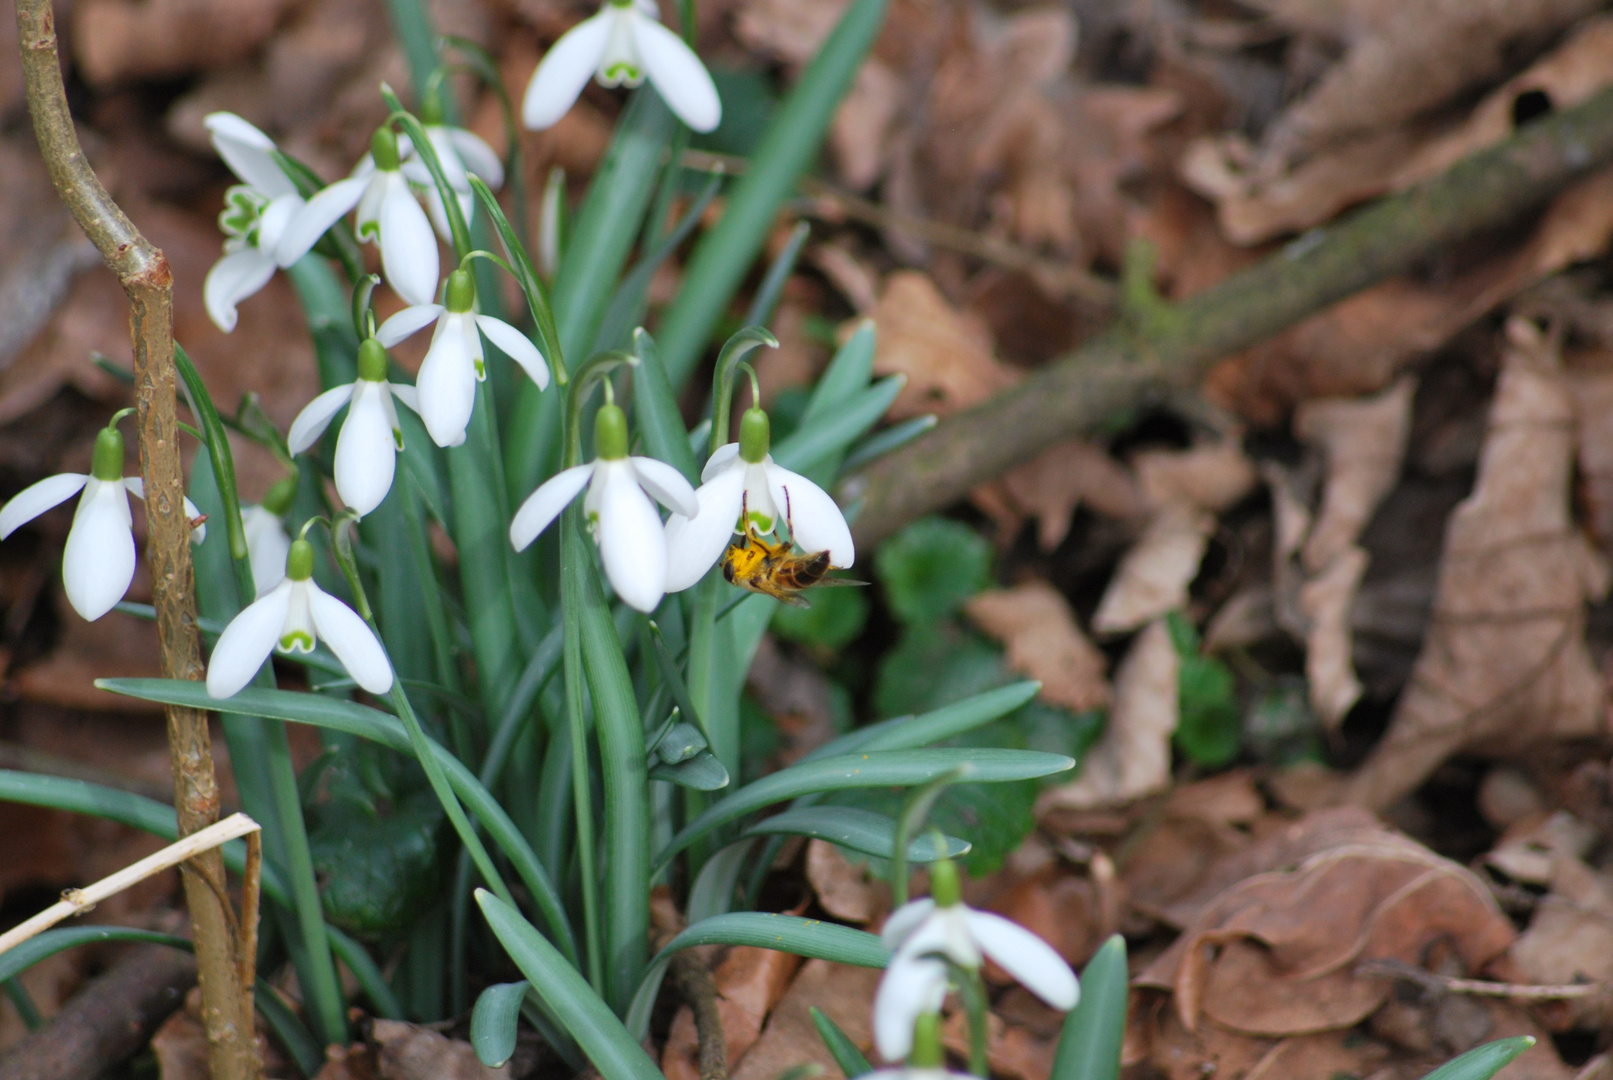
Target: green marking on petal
397, 438
297, 641
481, 370
758, 521
623, 71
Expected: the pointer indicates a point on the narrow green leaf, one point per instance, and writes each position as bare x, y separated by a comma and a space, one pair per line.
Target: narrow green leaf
818, 442
895, 768
1483, 1062
724, 255
848, 373
841, 1048
859, 830
628, 303
655, 411
884, 442
811, 938
947, 722
383, 1002
701, 773
537, 297
768, 292
607, 1044
304, 1049
218, 449
377, 726
1089, 1048
713, 890
494, 1021
20, 958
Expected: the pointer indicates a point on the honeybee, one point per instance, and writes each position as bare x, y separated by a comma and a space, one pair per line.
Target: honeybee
774, 570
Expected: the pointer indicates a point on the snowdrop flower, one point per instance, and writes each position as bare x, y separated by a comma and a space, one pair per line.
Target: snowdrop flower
367, 448
928, 1058
453, 365
462, 155
941, 926
291, 617
98, 563
742, 479
256, 214
624, 521
387, 214
620, 46
267, 542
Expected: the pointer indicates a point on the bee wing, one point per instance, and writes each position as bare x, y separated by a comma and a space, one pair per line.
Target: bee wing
790, 598
830, 582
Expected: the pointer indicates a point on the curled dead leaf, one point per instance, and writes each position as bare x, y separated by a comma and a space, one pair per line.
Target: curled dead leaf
1043, 641
1133, 756
945, 353
1154, 575
1364, 442
1505, 660
1325, 602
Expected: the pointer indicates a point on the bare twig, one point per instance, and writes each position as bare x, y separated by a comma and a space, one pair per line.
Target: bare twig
145, 276
78, 901
108, 1020
1428, 980
1159, 345
694, 984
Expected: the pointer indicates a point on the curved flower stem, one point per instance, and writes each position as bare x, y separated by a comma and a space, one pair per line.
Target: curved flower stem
145, 276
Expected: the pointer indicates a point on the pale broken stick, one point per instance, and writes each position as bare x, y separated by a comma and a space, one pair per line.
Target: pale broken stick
1428, 980
78, 901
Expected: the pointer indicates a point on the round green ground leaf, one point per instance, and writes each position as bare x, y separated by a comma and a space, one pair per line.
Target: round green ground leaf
931, 567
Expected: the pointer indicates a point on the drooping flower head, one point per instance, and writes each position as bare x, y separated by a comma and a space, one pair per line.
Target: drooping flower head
256, 215
927, 1060
461, 153
454, 363
293, 617
367, 448
388, 215
618, 508
619, 46
267, 542
98, 562
743, 488
923, 933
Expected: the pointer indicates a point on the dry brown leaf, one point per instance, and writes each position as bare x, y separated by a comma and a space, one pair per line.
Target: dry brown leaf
1053, 484
843, 888
116, 645
1133, 756
1420, 56
1275, 953
117, 40
1531, 848
1325, 602
1153, 577
1505, 661
1364, 443
1593, 408
1570, 934
409, 1052
1011, 1049
749, 982
844, 994
945, 353
1043, 641
1210, 477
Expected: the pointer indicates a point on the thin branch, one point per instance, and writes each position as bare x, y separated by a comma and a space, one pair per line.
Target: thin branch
693, 981
145, 276
1172, 345
1446, 984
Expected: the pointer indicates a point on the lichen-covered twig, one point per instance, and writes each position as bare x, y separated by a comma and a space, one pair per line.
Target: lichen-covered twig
144, 274
1158, 346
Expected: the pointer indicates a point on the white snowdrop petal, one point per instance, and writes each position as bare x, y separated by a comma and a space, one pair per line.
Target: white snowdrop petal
446, 385
721, 458
198, 535
247, 642
904, 920
815, 520
453, 169
408, 322
272, 223
249, 153
667, 484
36, 498
267, 546
565, 70
693, 544
408, 244
631, 543
544, 505
325, 209
406, 394
517, 346
316, 417
232, 279
350, 638
365, 454
908, 988
1029, 959
678, 74
478, 157
98, 562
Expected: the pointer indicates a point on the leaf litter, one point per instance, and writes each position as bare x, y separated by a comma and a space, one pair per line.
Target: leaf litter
1266, 925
